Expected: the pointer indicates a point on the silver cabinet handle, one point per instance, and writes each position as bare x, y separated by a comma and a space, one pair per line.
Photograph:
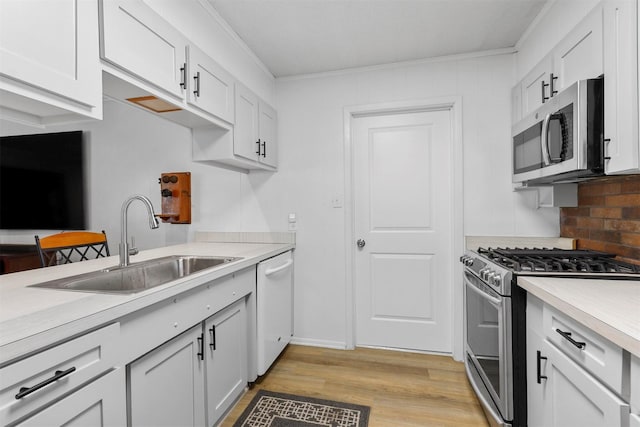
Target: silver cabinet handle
361, 243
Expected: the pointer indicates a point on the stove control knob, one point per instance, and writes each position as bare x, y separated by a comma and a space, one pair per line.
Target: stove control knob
489, 277
483, 273
470, 262
497, 279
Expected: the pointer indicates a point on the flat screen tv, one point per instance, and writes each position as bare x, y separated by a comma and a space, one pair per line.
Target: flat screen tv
42, 185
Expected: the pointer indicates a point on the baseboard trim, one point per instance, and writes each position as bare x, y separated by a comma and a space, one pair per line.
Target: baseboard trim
339, 345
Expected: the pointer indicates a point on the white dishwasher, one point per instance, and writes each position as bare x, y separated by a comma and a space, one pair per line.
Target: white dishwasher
274, 300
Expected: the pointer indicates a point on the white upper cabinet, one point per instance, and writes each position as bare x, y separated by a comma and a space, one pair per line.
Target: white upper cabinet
267, 122
535, 86
605, 43
210, 86
246, 136
621, 86
255, 128
579, 55
49, 62
253, 142
141, 42
151, 59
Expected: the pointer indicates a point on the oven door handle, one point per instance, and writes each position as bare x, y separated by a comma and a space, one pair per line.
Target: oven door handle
497, 302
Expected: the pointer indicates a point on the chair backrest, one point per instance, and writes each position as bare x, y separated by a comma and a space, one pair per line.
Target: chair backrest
72, 246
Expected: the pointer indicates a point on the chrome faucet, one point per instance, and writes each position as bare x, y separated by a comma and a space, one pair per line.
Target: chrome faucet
125, 251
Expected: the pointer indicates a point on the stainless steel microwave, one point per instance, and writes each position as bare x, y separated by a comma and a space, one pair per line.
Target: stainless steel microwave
563, 140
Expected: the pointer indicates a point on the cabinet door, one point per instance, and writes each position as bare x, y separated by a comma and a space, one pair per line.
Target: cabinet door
226, 352
579, 55
536, 365
210, 86
245, 138
572, 397
166, 385
101, 403
138, 40
621, 86
52, 46
533, 90
267, 123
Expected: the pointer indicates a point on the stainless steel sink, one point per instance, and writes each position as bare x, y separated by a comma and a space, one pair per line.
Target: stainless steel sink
136, 277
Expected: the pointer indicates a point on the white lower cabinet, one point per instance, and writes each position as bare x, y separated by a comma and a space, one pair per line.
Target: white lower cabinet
560, 390
226, 359
572, 397
194, 377
31, 385
101, 403
166, 385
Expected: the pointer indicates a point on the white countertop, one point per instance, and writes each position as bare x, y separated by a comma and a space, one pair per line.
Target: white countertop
608, 307
32, 318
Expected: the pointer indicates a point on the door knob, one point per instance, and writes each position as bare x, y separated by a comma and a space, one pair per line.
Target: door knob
361, 243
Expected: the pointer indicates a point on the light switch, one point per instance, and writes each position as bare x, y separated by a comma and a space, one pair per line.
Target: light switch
293, 222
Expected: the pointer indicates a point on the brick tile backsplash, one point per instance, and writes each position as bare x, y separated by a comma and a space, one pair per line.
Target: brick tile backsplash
607, 217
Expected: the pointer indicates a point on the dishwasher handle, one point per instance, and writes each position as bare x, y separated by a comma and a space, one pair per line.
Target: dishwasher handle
270, 271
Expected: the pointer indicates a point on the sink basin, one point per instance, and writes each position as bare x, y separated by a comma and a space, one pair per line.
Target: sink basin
136, 277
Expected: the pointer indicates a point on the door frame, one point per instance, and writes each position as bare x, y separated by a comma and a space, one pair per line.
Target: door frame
454, 105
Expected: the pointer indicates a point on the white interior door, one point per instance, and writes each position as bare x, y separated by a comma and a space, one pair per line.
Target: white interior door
403, 214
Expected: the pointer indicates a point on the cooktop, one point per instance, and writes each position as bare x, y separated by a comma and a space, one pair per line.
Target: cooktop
558, 261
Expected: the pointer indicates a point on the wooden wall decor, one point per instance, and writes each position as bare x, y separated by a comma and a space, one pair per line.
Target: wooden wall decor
175, 193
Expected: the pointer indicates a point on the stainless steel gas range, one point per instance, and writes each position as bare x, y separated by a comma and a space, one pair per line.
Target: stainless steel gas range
495, 326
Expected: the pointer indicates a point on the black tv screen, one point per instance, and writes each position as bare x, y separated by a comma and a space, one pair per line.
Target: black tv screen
42, 182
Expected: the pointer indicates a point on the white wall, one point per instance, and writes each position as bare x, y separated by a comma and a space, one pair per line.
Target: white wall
128, 151
310, 113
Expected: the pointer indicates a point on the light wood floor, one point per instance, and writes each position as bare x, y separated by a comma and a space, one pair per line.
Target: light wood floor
402, 389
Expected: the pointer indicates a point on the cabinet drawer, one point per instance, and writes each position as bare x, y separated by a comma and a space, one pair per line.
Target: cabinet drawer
74, 363
102, 403
591, 351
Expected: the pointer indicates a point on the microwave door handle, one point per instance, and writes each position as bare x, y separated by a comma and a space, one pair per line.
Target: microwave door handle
544, 140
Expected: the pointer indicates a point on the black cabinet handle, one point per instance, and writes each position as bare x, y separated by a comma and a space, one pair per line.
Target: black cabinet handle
544, 96
264, 148
567, 336
201, 345
56, 376
258, 142
183, 76
538, 370
212, 331
196, 79
552, 91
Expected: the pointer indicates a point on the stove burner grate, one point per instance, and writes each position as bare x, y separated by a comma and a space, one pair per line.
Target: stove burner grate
558, 260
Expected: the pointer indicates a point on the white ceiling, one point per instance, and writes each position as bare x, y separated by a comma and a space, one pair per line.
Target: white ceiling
293, 37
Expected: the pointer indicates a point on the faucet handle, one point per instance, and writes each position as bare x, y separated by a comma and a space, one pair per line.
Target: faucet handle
133, 250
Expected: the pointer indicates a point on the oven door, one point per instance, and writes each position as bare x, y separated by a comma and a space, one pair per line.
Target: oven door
488, 347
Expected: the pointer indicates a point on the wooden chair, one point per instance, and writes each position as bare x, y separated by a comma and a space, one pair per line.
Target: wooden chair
72, 246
